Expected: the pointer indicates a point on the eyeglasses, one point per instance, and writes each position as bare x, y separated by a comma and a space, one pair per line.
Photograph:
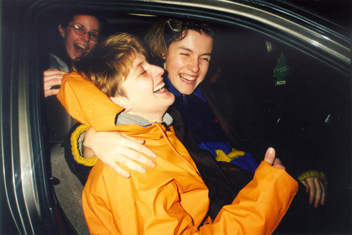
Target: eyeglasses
180, 26
81, 30
176, 25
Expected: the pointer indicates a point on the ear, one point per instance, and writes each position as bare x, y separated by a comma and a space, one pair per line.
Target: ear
62, 31
122, 101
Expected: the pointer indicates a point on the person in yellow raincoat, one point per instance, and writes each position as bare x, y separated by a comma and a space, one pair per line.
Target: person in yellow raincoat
172, 198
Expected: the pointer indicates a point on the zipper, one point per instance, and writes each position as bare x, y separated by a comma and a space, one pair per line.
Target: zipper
173, 148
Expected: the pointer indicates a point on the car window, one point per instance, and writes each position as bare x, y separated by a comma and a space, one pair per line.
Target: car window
295, 102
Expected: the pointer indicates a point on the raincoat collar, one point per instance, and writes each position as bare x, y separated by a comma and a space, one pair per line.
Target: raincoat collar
125, 118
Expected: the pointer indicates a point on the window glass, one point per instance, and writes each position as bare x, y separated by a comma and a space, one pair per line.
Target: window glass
289, 100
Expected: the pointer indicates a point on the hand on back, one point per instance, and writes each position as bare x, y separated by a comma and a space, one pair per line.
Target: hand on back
51, 78
115, 149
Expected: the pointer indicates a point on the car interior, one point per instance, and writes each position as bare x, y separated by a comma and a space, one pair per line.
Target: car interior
296, 99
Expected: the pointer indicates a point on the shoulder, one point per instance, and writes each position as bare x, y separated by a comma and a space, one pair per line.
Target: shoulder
57, 63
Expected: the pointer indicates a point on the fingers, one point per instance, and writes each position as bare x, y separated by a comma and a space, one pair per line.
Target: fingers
316, 189
311, 186
323, 197
278, 164
318, 192
52, 77
320, 195
127, 156
50, 92
270, 156
138, 146
119, 170
305, 185
49, 72
112, 148
52, 81
49, 84
53, 74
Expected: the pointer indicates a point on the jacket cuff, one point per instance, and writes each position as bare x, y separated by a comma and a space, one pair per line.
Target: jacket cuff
77, 154
312, 173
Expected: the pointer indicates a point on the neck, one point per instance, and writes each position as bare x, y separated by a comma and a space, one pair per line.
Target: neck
126, 118
151, 117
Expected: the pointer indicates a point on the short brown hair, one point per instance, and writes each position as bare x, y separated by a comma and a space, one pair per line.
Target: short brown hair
108, 65
166, 31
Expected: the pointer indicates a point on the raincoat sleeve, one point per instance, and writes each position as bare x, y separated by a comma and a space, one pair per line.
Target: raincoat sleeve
258, 208
79, 96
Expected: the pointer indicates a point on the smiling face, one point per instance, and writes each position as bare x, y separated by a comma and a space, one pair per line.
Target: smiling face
187, 61
144, 91
76, 45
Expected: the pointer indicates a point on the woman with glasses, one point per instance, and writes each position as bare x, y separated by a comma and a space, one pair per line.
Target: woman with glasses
76, 35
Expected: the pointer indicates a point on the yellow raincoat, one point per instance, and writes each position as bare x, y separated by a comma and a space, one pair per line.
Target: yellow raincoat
171, 198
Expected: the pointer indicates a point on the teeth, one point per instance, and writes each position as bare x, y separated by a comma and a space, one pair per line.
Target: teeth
83, 49
188, 78
81, 46
159, 87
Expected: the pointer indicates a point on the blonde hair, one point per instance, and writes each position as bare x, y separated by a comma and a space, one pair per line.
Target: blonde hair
108, 65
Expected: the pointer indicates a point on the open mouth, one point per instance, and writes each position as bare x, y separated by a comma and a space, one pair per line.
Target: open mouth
81, 48
187, 78
159, 88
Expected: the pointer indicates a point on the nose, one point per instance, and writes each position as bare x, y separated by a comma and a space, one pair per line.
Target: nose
193, 65
157, 71
85, 37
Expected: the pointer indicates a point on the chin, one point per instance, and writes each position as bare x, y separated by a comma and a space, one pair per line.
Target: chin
187, 92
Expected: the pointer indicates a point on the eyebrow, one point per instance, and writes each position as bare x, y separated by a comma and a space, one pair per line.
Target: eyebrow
96, 30
139, 66
187, 49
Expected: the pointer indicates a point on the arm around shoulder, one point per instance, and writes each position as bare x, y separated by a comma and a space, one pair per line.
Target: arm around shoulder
87, 104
